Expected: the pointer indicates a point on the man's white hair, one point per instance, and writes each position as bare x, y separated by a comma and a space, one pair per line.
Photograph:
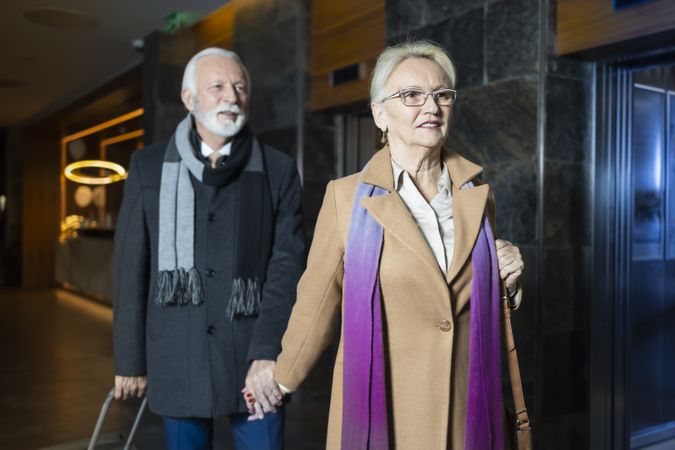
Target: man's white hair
390, 58
191, 68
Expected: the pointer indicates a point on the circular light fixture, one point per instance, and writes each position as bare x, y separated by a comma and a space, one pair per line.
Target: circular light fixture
67, 19
72, 172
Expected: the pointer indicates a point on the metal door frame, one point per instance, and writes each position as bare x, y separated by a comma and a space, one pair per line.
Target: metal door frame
610, 308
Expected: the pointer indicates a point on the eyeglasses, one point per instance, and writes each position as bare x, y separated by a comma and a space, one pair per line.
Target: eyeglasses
418, 97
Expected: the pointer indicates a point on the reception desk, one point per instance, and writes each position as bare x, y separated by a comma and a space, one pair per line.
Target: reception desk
85, 263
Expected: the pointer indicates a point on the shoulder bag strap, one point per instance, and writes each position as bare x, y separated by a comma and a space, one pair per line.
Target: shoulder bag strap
523, 428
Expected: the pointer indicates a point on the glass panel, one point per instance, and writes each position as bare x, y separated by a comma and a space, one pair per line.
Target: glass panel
367, 140
652, 301
648, 139
646, 350
670, 191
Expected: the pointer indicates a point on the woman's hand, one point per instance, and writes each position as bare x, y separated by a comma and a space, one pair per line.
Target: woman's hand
510, 263
254, 408
260, 382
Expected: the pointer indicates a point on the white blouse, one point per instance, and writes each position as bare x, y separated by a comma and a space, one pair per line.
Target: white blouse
434, 219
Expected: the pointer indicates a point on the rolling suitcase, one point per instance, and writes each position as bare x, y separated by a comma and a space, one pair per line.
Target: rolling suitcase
128, 445
110, 441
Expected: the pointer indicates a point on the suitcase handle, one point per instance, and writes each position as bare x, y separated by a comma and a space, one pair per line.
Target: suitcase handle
104, 412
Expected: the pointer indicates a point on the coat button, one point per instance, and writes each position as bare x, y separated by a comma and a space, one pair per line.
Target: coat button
210, 273
210, 329
211, 217
445, 325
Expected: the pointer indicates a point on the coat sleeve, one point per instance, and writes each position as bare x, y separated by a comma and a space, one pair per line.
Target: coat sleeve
130, 278
284, 268
310, 329
490, 210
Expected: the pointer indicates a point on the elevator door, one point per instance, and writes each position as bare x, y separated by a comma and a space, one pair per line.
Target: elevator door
356, 141
651, 319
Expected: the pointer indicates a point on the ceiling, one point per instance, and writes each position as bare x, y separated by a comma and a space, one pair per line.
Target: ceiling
50, 59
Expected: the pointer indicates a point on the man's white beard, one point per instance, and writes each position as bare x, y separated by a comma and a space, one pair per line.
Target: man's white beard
209, 119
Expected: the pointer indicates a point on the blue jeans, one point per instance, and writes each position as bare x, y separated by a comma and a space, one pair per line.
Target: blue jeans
197, 434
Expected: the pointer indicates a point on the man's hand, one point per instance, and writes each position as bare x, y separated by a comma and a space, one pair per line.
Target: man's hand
510, 263
260, 382
127, 387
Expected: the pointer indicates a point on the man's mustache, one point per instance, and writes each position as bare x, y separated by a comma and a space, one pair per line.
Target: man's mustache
228, 108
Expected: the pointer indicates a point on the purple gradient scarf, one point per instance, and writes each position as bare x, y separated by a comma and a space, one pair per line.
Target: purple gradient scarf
364, 407
484, 410
364, 413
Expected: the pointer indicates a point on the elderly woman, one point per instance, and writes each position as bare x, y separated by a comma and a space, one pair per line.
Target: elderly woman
404, 251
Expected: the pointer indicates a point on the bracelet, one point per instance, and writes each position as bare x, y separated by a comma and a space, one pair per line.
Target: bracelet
512, 296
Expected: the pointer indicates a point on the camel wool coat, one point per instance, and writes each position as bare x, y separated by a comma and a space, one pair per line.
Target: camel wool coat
426, 312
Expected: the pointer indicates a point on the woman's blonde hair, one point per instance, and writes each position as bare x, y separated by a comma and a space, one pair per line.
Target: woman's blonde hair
391, 57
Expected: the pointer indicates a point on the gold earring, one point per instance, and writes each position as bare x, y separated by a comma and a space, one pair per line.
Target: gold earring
384, 137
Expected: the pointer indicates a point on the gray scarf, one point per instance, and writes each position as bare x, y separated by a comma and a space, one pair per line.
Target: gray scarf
178, 281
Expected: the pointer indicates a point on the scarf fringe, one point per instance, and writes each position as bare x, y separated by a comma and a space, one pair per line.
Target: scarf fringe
179, 287
245, 298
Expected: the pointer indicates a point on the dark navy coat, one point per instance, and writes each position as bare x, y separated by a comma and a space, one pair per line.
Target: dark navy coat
195, 358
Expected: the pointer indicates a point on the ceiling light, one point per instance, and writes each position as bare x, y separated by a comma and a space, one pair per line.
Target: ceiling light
10, 84
24, 56
67, 19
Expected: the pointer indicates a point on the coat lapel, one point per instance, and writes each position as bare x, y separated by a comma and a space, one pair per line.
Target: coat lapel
390, 212
468, 211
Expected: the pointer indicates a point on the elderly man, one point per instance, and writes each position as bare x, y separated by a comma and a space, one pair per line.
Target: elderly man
208, 250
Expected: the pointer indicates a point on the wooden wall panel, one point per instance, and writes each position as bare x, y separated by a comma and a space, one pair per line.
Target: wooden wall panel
583, 25
40, 215
324, 96
343, 33
216, 30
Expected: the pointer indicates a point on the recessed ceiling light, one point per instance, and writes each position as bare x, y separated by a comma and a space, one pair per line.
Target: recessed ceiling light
10, 84
61, 18
24, 56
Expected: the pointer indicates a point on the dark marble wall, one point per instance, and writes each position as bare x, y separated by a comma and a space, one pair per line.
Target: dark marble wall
271, 38
164, 60
563, 372
524, 115
267, 40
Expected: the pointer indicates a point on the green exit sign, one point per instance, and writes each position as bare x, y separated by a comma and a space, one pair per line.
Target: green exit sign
179, 19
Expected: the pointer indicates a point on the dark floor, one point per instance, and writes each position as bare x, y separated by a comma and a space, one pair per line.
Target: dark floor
56, 353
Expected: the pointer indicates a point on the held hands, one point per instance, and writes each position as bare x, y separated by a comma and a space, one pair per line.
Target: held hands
510, 263
262, 394
127, 387
254, 408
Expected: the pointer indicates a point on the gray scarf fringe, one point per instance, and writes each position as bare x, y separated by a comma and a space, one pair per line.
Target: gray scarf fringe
183, 287
245, 298
179, 287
